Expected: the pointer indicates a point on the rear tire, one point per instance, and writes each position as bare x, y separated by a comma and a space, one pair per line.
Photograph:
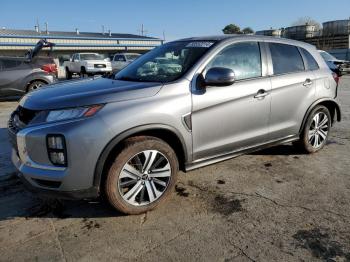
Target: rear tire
142, 176
316, 130
36, 84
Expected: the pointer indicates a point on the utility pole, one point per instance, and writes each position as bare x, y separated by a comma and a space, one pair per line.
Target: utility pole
143, 31
163, 35
38, 25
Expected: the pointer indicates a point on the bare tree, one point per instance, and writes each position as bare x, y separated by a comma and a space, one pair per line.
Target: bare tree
307, 20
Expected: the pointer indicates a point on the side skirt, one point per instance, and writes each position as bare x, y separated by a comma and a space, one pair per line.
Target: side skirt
212, 160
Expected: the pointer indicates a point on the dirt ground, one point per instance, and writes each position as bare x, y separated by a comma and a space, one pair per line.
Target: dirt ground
274, 205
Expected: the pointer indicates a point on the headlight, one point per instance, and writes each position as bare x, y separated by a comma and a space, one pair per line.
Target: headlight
71, 113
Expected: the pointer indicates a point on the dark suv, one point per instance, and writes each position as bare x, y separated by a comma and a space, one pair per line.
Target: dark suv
19, 75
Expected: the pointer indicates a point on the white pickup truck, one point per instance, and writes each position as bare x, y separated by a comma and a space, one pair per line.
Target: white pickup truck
121, 60
87, 64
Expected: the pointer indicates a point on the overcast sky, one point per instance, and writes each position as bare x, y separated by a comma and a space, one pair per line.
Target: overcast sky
177, 19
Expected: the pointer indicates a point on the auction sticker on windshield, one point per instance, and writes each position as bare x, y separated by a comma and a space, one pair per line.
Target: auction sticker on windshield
200, 44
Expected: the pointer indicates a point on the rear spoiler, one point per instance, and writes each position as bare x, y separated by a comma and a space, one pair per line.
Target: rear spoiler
43, 43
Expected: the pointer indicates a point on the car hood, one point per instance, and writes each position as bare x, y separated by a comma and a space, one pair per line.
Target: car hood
87, 92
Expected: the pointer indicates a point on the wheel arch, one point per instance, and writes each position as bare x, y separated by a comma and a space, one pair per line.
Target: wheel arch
167, 133
331, 104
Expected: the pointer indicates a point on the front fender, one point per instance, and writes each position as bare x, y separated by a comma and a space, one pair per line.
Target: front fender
120, 137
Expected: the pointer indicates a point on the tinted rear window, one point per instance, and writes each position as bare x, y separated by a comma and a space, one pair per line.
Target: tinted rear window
9, 64
310, 60
286, 59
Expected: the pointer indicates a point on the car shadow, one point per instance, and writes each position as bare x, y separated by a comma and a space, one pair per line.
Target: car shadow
22, 203
10, 99
283, 150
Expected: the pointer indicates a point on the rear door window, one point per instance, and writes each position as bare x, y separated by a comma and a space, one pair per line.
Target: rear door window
285, 59
243, 58
311, 63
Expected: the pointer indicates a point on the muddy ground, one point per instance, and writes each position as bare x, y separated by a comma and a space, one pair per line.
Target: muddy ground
274, 205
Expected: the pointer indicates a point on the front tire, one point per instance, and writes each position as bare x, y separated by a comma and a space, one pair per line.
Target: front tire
316, 130
142, 176
83, 73
68, 74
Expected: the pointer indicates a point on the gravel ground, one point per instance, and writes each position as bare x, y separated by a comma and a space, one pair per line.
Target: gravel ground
274, 205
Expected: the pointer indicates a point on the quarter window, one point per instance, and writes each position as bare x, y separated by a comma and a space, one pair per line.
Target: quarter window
285, 59
310, 60
243, 58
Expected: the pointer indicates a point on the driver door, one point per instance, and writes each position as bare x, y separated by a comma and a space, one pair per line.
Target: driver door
234, 117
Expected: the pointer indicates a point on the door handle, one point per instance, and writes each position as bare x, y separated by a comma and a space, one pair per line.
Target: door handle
307, 82
261, 94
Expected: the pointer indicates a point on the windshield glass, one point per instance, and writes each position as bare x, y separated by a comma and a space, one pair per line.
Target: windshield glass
91, 57
165, 63
327, 57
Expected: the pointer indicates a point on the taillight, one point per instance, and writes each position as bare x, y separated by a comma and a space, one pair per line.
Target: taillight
49, 68
336, 77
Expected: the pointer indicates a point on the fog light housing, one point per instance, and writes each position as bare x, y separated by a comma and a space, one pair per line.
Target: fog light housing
56, 150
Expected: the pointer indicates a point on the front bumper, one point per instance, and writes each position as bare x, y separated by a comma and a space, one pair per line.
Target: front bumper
98, 70
30, 157
30, 174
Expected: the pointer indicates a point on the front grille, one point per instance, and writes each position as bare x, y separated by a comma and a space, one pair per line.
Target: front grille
100, 66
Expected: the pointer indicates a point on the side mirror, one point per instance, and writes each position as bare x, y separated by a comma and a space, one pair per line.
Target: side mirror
219, 76
70, 59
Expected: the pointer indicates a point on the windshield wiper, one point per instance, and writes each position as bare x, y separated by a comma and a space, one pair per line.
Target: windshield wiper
126, 78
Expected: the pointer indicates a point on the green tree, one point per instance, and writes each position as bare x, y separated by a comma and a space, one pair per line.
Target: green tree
247, 30
232, 29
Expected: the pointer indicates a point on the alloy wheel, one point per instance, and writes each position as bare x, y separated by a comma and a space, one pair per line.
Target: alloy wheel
144, 178
318, 130
36, 85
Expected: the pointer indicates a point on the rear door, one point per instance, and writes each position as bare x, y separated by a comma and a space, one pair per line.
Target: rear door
119, 62
75, 64
293, 90
226, 119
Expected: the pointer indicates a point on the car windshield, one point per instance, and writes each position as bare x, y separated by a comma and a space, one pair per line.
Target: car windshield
327, 57
132, 56
165, 63
91, 57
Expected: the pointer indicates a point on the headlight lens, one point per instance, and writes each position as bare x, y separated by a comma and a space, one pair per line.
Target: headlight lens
71, 113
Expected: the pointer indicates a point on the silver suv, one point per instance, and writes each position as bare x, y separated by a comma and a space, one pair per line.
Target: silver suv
128, 135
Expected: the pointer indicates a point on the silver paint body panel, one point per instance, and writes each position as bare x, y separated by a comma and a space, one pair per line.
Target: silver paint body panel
225, 121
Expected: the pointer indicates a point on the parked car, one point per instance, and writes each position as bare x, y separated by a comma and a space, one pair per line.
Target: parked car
341, 67
121, 60
127, 135
19, 75
87, 64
